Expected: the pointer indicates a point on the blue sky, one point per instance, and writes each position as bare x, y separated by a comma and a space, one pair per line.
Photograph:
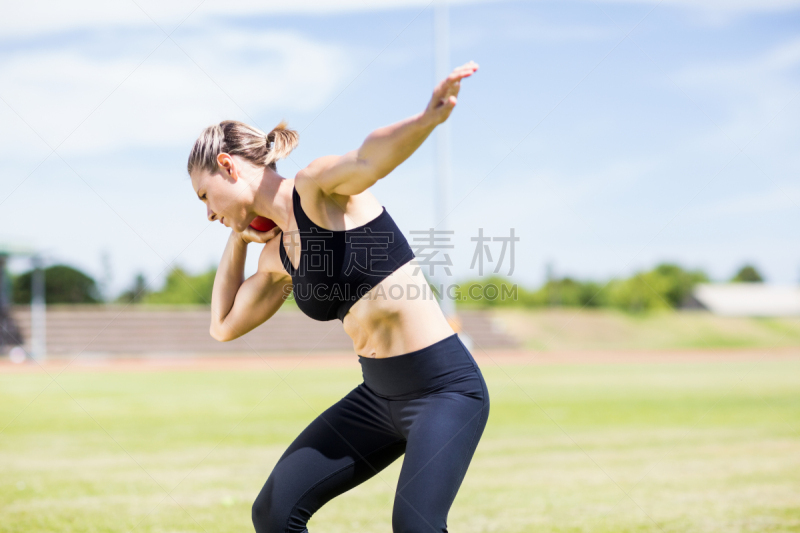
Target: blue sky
610, 135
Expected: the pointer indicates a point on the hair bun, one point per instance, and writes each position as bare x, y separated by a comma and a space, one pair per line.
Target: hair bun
283, 142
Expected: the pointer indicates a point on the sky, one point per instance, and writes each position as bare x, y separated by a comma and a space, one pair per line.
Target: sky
610, 135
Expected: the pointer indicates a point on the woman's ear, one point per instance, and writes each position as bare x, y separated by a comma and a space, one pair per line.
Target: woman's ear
225, 162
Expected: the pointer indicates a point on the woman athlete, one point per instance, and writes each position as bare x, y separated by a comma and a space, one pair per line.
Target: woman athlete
340, 253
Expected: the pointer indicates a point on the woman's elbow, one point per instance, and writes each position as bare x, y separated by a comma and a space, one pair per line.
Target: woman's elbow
220, 334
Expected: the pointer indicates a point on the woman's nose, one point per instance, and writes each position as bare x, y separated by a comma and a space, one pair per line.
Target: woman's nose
210, 214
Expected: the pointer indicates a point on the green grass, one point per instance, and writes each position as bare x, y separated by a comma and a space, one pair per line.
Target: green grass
614, 448
609, 329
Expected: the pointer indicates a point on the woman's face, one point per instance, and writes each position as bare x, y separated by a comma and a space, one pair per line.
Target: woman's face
226, 196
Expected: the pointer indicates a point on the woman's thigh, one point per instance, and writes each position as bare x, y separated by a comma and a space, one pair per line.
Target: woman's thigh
443, 431
344, 446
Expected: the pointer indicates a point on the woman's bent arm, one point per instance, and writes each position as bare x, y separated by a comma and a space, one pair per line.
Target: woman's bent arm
228, 279
379, 154
239, 305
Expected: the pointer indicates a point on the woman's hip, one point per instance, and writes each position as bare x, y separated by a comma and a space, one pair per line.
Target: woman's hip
444, 366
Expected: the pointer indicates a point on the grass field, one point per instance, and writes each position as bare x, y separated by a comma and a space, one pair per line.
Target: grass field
548, 329
568, 448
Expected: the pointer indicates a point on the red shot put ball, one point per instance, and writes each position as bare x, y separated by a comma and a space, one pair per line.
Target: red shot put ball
262, 224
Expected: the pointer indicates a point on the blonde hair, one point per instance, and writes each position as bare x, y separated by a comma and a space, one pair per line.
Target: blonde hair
237, 138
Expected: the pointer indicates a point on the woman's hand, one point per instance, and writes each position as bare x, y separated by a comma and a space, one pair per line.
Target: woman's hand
253, 235
445, 94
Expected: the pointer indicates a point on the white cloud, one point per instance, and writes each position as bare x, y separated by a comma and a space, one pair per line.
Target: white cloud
773, 200
228, 72
551, 33
717, 6
750, 75
746, 96
49, 16
528, 30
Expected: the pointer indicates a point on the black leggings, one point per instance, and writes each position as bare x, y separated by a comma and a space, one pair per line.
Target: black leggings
431, 404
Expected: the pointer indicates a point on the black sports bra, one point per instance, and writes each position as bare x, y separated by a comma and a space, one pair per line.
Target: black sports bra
338, 267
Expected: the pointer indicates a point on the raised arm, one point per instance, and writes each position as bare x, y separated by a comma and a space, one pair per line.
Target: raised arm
387, 147
239, 305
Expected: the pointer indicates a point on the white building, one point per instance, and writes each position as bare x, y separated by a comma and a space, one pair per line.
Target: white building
748, 299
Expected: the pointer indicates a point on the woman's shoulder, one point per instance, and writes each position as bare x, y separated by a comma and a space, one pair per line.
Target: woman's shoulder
306, 185
328, 208
320, 164
308, 180
314, 197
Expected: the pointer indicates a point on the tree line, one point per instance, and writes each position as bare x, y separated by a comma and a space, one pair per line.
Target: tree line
665, 286
67, 285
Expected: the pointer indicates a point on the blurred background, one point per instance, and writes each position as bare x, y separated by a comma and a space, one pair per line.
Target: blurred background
641, 336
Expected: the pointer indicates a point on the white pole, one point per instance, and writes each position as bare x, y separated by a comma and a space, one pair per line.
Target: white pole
38, 316
441, 38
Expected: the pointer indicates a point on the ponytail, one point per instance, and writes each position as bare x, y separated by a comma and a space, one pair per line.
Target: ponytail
237, 138
280, 143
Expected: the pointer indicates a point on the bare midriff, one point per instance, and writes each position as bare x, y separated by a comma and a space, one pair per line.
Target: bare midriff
397, 316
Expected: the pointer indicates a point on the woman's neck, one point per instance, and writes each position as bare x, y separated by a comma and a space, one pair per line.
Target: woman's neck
273, 198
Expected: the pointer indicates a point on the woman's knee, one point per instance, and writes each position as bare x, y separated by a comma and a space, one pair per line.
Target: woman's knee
265, 515
272, 515
279, 508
